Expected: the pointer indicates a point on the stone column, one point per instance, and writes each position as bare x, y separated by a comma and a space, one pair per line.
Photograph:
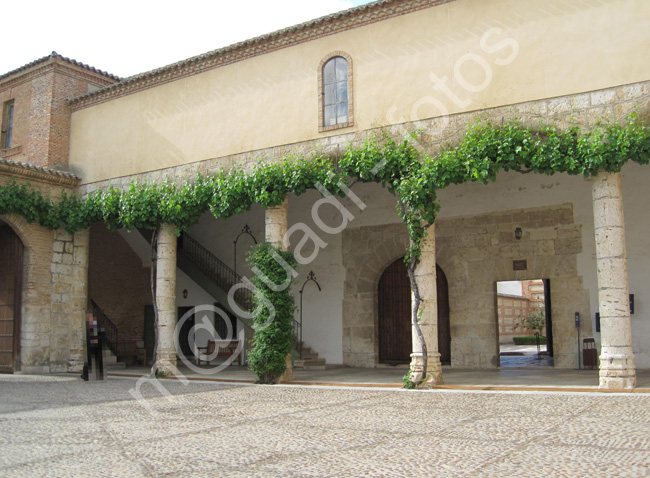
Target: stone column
166, 300
425, 276
79, 296
617, 370
276, 220
275, 231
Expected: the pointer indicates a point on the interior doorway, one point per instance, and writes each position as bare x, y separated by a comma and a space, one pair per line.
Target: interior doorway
394, 310
11, 279
524, 323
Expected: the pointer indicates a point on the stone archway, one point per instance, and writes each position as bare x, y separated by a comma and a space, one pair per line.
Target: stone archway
34, 309
53, 297
11, 285
367, 252
394, 315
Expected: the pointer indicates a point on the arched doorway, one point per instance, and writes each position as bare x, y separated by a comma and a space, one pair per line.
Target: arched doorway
394, 309
11, 269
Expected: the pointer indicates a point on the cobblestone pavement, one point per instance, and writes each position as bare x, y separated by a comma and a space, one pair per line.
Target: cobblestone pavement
61, 426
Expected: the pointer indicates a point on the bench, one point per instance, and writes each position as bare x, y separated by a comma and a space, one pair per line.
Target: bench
225, 349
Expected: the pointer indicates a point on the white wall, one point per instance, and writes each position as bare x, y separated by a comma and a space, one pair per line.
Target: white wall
509, 287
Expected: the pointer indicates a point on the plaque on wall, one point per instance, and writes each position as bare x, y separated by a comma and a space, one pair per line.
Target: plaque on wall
520, 265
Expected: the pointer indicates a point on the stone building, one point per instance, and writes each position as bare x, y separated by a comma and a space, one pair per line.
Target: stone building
43, 273
393, 67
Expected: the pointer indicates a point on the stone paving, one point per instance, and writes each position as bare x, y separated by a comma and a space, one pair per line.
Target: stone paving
61, 426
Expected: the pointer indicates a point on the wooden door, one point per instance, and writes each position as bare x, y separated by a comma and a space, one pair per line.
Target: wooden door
11, 267
444, 330
394, 304
184, 332
394, 309
149, 332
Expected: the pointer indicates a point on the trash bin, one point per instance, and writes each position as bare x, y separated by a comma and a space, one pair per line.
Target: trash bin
589, 355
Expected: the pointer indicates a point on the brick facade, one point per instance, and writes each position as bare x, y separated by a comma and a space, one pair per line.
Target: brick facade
55, 272
40, 91
512, 309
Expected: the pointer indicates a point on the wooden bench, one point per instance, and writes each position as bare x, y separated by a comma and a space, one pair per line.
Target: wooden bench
225, 349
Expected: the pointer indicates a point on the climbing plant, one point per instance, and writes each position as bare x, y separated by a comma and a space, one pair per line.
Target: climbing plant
273, 312
413, 177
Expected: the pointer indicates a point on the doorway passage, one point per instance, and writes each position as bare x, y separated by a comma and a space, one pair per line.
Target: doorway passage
524, 326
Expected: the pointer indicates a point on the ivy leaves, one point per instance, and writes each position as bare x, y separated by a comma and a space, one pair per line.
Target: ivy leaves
274, 309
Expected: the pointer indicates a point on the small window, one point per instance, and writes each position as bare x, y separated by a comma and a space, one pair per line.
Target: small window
7, 124
336, 93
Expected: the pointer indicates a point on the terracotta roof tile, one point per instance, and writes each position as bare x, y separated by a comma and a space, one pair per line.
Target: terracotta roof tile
55, 55
7, 165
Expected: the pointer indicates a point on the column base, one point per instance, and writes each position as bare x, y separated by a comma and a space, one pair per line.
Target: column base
287, 376
434, 370
617, 371
165, 363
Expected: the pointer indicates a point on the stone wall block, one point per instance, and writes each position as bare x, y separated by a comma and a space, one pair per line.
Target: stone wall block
568, 246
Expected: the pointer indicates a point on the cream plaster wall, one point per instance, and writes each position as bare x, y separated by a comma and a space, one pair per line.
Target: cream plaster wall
542, 51
636, 203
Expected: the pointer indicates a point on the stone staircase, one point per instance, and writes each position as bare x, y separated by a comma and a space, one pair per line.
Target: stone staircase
110, 360
310, 360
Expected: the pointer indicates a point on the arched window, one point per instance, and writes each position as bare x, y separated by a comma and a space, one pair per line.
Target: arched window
336, 94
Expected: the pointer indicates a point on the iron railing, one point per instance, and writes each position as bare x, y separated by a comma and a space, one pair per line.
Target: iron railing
297, 338
108, 327
215, 269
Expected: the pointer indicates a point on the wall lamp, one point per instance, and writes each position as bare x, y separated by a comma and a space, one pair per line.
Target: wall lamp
184, 293
518, 233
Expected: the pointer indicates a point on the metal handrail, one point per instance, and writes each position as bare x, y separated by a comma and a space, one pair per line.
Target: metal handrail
215, 269
107, 325
297, 338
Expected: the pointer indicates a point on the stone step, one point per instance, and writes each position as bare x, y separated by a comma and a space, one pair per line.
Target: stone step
314, 367
309, 360
314, 362
115, 366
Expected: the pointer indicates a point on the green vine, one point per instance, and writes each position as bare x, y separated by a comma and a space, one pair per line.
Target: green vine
397, 165
485, 150
273, 316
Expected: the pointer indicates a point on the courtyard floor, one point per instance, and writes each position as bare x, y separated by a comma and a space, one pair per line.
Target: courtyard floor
523, 379
62, 426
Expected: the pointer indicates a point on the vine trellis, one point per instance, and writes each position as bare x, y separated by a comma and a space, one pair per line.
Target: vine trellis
412, 176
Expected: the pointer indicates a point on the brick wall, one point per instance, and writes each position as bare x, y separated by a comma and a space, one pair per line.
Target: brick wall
41, 134
513, 309
118, 282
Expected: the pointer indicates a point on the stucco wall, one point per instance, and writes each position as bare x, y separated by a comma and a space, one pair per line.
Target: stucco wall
540, 51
